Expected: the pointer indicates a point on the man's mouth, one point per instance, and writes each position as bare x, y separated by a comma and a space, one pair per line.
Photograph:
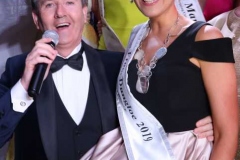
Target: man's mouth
62, 25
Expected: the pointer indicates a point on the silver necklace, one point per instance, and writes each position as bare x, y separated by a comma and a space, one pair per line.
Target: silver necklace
144, 71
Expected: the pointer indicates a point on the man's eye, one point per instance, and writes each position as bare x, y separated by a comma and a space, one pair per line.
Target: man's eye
70, 2
49, 5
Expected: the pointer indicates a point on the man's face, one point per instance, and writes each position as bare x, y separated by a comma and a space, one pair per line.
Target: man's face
66, 17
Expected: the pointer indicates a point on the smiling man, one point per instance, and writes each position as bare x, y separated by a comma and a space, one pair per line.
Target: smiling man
75, 107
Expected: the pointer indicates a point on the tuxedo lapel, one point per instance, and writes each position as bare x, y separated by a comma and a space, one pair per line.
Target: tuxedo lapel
45, 104
105, 98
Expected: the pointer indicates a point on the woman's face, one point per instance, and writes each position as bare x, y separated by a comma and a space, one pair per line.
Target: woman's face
154, 8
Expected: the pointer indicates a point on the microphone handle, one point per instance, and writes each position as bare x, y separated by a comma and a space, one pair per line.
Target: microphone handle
37, 80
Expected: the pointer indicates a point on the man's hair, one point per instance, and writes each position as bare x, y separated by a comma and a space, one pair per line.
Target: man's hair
35, 4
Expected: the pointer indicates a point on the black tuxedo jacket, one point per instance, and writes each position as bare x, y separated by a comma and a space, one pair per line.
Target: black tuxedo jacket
35, 130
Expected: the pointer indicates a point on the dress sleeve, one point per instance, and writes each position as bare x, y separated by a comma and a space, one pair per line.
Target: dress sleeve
214, 50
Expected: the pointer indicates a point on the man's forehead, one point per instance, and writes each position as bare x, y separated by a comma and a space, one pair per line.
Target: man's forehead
42, 1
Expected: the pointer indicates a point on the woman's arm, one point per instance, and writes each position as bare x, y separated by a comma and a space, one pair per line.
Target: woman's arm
221, 86
220, 82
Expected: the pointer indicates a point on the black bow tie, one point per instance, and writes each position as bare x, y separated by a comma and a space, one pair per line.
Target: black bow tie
75, 62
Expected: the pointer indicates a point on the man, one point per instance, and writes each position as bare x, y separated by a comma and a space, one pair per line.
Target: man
49, 120
74, 108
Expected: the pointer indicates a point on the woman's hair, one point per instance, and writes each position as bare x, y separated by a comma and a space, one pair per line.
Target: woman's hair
34, 4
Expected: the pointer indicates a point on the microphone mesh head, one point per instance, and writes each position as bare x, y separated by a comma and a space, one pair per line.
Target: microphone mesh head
51, 34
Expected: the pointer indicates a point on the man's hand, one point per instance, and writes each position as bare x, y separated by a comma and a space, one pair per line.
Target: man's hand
204, 128
41, 53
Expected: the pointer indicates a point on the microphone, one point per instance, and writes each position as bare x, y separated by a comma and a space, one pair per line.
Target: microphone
40, 69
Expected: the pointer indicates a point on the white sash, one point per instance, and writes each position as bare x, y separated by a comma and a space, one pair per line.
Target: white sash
144, 136
190, 9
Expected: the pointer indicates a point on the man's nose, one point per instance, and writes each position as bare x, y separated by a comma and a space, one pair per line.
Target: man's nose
60, 11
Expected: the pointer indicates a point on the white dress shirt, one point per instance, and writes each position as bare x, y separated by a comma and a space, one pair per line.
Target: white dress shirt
72, 86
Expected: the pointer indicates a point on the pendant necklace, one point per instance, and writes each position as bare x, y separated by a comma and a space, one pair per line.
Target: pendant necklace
144, 71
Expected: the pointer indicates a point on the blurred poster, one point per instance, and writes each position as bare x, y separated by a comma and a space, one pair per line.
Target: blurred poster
17, 30
190, 9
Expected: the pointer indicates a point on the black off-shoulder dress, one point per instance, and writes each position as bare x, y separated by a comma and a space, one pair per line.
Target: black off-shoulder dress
176, 95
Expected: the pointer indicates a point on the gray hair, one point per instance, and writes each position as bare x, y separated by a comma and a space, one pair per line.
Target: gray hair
34, 4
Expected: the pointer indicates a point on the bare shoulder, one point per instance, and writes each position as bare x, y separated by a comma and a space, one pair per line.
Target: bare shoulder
208, 32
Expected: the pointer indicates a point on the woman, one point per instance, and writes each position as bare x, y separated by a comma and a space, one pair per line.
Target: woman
176, 71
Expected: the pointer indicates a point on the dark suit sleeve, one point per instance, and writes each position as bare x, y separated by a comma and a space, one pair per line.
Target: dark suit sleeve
8, 117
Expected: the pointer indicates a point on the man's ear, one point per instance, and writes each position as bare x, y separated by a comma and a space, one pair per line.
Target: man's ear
85, 13
35, 20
